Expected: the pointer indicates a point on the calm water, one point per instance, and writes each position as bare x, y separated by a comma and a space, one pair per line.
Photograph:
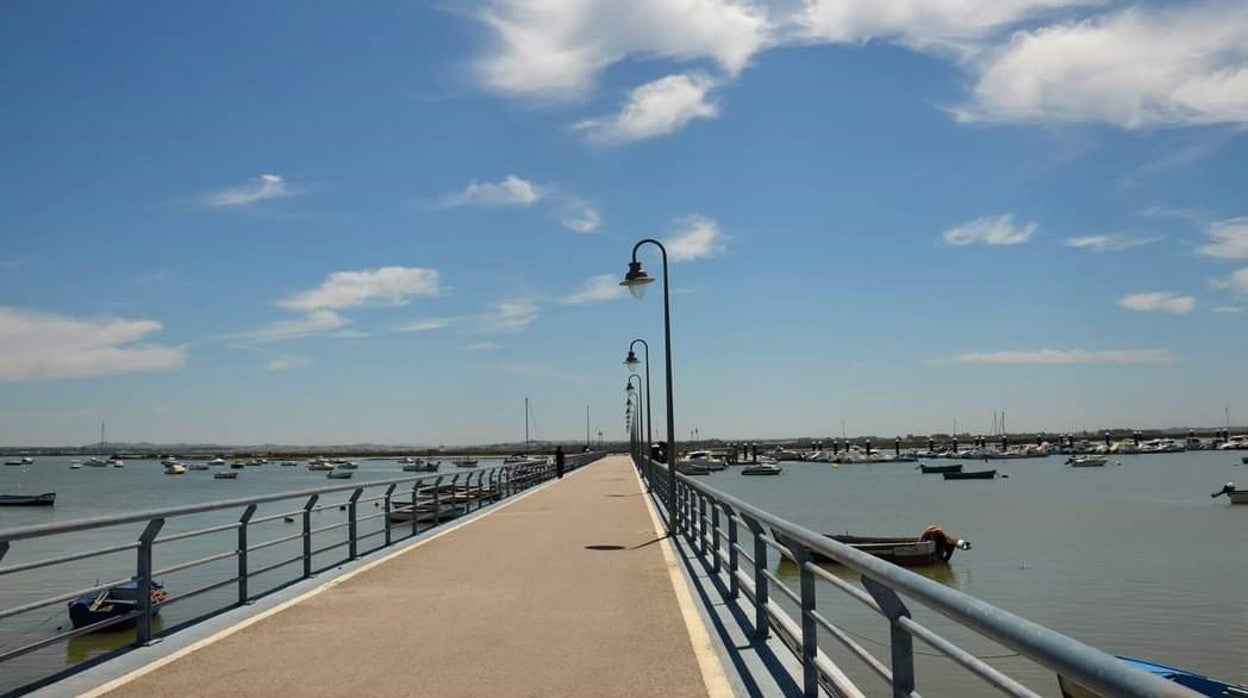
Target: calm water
1134, 559
141, 485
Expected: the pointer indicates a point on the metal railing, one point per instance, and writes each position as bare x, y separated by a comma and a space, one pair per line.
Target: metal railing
424, 500
733, 537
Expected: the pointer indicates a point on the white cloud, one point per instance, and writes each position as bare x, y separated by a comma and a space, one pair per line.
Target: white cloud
289, 363
512, 191
511, 315
555, 49
262, 188
1181, 64
348, 289
483, 346
917, 23
990, 230
1229, 239
1069, 356
315, 323
1153, 301
426, 325
1108, 243
44, 346
654, 109
694, 237
603, 287
579, 216
1237, 282
1227, 309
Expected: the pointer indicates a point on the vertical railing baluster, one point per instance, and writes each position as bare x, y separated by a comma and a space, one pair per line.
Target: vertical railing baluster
702, 522
900, 642
389, 508
810, 631
437, 500
716, 565
416, 487
353, 528
143, 581
242, 552
734, 561
762, 627
307, 535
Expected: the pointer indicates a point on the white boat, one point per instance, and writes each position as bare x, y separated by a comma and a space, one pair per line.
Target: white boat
175, 469
703, 459
75, 464
1162, 446
217, 461
1086, 461
117, 462
1238, 442
762, 469
320, 465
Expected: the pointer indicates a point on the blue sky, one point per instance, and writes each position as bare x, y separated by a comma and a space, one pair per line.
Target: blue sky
391, 222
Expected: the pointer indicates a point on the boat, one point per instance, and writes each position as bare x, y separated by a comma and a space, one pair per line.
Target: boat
704, 459
465, 463
100, 606
175, 469
46, 499
14, 462
75, 464
1239, 442
319, 465
1199, 683
1243, 460
1086, 461
929, 469
97, 462
516, 458
289, 464
225, 475
762, 469
1237, 496
217, 461
346, 465
238, 464
339, 474
198, 466
931, 547
117, 462
971, 475
425, 467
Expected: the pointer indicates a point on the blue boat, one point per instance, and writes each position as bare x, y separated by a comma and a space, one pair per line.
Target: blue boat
99, 606
1203, 685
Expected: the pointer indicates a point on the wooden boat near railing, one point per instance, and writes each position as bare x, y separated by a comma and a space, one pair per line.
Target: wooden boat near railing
46, 499
932, 546
971, 475
1200, 683
930, 469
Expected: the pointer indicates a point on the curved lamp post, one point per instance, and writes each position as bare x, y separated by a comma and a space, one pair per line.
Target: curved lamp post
636, 280
631, 363
643, 411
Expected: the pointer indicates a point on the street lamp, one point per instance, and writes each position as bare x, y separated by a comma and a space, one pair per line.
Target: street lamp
636, 280
643, 410
631, 363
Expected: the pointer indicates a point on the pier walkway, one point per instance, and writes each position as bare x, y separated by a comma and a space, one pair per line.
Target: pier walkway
566, 591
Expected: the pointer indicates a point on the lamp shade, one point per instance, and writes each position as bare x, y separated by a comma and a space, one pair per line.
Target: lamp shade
636, 280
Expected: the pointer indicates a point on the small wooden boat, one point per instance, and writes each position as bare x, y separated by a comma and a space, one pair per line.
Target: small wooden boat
1201, 684
347, 465
46, 499
1237, 496
930, 469
419, 467
1086, 461
339, 474
238, 464
225, 475
1243, 460
93, 608
289, 464
762, 469
319, 466
971, 475
465, 463
931, 547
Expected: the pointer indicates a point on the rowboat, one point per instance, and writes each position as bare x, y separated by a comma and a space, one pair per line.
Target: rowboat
46, 499
339, 474
419, 467
933, 546
929, 469
1237, 496
465, 463
1086, 461
100, 606
762, 469
1199, 683
225, 475
971, 475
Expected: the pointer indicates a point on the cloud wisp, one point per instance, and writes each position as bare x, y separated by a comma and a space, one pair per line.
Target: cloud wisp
1109, 243
654, 109
509, 315
44, 346
317, 323
1158, 301
990, 230
426, 324
603, 287
382, 286
1236, 282
1228, 240
694, 237
1069, 357
288, 363
511, 191
262, 188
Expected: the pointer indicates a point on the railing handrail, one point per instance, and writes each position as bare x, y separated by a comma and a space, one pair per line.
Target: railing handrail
57, 527
1089, 666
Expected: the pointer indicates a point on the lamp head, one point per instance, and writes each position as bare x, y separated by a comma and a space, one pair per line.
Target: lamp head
631, 362
636, 280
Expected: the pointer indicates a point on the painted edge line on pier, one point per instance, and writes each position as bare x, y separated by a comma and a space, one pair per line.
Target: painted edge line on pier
704, 650
434, 534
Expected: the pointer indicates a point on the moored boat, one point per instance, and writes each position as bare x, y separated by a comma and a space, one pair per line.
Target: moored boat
225, 475
932, 546
339, 474
319, 465
347, 465
217, 461
175, 469
46, 499
1199, 683
100, 606
971, 475
419, 467
762, 469
1086, 461
465, 463
930, 469
197, 466
1237, 496
289, 464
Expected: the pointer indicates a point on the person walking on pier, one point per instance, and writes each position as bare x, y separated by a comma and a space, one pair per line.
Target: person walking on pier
559, 461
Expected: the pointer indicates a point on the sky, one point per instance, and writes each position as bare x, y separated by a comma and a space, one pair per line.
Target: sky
391, 222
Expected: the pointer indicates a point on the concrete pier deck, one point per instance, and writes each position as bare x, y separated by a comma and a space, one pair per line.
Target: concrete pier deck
565, 591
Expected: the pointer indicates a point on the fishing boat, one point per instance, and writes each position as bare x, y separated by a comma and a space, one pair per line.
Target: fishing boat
1199, 683
225, 475
931, 547
762, 469
1237, 496
465, 463
930, 469
422, 467
1086, 461
339, 474
46, 499
971, 475
100, 606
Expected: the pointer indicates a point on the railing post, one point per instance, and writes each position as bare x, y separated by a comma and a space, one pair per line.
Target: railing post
701, 521
901, 644
415, 498
242, 552
353, 524
143, 581
307, 535
810, 631
762, 627
389, 497
734, 561
715, 564
437, 500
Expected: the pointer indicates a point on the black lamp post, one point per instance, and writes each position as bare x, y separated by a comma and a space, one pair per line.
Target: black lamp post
631, 363
643, 404
636, 280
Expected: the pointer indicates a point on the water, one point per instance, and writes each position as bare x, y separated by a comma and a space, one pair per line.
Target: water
1133, 559
140, 486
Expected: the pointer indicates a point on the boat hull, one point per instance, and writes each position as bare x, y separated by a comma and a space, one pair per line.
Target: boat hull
932, 469
46, 499
90, 609
971, 475
1202, 685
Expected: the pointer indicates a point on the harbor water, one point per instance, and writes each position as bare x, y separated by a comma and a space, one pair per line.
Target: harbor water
1133, 558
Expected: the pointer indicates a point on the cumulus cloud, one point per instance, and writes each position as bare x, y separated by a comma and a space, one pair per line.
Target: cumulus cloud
512, 191
603, 287
654, 109
1228, 239
917, 23
348, 289
1109, 243
1169, 65
1237, 282
1154, 301
990, 230
509, 315
289, 363
45, 346
262, 188
1052, 357
694, 237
